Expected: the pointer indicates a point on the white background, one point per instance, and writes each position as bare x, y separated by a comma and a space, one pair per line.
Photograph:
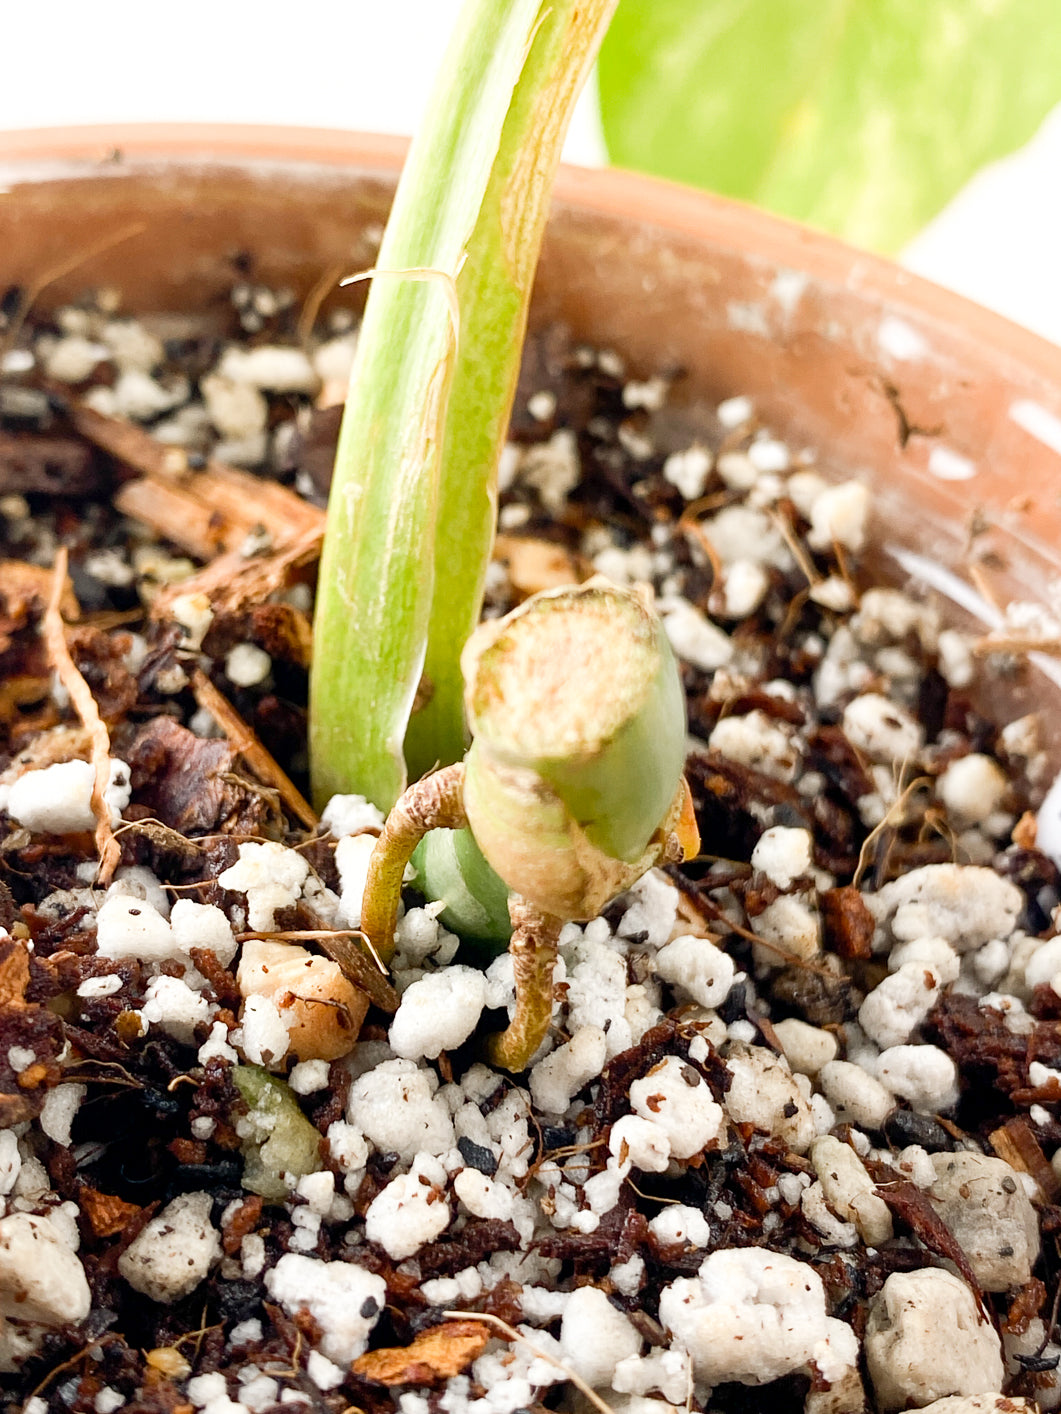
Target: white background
368, 64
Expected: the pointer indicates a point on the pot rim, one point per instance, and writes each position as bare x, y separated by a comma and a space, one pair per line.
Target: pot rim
34, 153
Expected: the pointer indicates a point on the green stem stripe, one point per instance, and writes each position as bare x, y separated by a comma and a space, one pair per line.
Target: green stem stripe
412, 509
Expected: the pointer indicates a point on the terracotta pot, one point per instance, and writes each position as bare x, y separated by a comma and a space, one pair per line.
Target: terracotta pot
950, 412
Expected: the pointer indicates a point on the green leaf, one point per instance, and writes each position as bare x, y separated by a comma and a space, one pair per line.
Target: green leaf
860, 116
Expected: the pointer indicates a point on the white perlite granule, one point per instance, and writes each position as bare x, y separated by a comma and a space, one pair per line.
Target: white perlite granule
438, 1013
57, 800
925, 1339
395, 1106
676, 1098
174, 1252
752, 1316
411, 1210
345, 1300
57, 1114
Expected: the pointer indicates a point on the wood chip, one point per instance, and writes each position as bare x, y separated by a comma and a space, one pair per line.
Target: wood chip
54, 634
232, 581
1016, 1143
250, 748
203, 511
435, 1355
913, 1208
14, 975
106, 1213
847, 922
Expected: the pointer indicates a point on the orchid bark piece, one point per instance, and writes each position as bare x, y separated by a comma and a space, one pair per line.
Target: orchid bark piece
571, 790
413, 502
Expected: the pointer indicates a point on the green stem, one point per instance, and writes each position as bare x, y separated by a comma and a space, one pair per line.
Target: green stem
494, 291
411, 513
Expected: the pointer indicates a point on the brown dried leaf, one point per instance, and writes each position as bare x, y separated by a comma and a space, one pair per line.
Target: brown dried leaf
106, 1213
25, 590
435, 1355
250, 748
187, 781
913, 1208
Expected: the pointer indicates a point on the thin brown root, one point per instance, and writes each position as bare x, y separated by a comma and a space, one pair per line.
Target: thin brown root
65, 267
75, 1359
54, 634
250, 748
311, 305
791, 539
892, 816
518, 1338
694, 531
651, 1197
707, 908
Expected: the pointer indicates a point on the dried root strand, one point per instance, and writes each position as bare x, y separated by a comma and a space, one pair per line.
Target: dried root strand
57, 272
893, 816
54, 633
250, 748
511, 1333
431, 803
535, 938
